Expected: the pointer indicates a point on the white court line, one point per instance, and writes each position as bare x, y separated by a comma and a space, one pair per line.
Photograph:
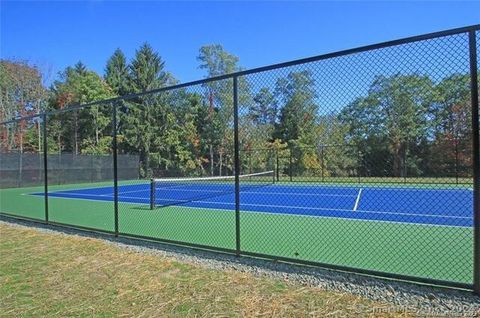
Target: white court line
99, 195
132, 191
358, 200
216, 191
263, 192
288, 193
328, 209
333, 217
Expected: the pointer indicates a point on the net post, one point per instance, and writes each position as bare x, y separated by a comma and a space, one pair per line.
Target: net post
115, 166
237, 166
476, 160
152, 194
45, 164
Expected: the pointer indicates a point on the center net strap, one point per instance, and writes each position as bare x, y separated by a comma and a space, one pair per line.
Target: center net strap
174, 191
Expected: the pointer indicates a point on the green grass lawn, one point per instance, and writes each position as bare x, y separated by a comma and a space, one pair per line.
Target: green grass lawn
56, 275
436, 252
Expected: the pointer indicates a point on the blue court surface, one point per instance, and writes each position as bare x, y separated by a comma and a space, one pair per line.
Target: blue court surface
447, 207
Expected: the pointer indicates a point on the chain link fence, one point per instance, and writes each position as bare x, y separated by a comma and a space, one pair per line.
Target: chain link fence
365, 160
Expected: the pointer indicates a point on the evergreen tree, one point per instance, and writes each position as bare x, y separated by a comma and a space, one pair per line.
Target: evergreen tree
116, 73
146, 119
80, 68
147, 70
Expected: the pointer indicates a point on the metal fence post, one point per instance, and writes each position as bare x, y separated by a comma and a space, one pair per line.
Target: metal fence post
45, 164
115, 167
405, 163
237, 165
476, 161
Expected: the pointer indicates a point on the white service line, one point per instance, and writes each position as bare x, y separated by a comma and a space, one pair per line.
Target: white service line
358, 200
262, 192
333, 217
132, 191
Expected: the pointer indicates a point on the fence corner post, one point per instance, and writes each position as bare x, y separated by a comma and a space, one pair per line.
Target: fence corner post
237, 166
476, 160
45, 165
115, 166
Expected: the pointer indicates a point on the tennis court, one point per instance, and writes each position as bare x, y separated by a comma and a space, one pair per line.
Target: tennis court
447, 207
412, 229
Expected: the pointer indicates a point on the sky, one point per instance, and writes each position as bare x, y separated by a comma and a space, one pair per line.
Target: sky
57, 34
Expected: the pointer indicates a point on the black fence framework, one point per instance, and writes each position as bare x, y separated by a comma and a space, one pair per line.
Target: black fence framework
472, 34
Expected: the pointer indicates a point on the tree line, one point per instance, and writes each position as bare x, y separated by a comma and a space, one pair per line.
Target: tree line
405, 124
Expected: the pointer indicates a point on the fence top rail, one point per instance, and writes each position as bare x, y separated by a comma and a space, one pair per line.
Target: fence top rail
423, 37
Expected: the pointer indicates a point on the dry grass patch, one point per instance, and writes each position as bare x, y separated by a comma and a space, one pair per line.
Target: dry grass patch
55, 275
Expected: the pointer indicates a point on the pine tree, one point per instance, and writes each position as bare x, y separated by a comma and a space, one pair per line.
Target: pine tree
146, 119
147, 70
116, 73
80, 68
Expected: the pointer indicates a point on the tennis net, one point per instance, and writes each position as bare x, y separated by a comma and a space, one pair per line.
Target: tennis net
174, 191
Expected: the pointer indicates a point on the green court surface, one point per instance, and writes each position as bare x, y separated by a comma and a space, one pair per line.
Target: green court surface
427, 251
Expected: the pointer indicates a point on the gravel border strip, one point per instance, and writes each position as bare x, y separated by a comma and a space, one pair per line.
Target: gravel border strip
420, 300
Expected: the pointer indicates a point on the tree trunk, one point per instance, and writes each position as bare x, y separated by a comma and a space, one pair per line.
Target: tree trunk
211, 160
398, 159
39, 131
145, 163
97, 133
220, 162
